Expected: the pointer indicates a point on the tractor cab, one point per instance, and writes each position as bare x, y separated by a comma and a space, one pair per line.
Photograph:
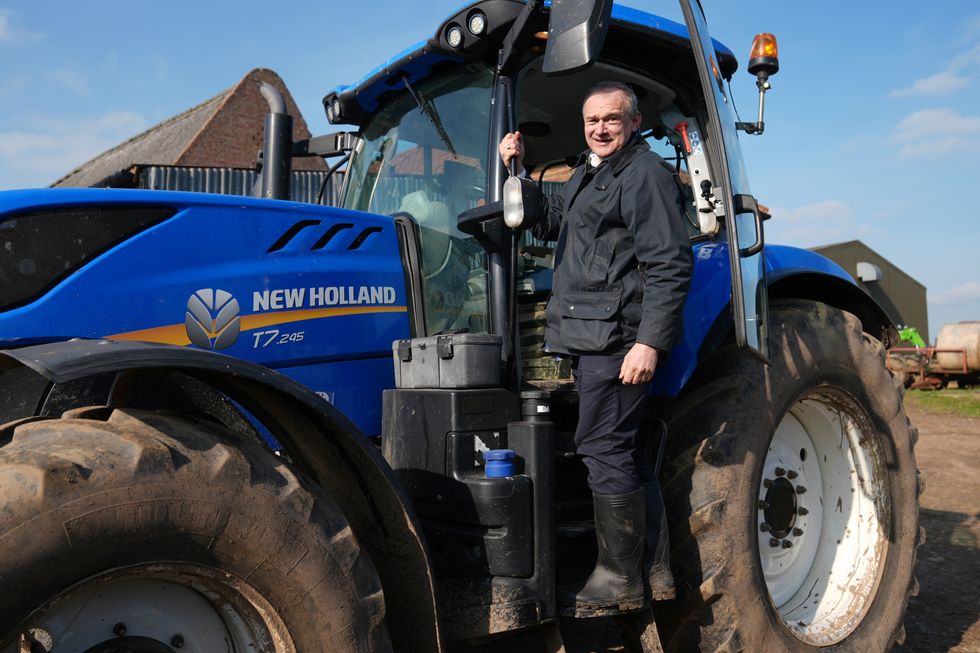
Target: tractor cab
424, 155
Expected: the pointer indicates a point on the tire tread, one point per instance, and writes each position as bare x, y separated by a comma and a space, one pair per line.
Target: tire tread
52, 464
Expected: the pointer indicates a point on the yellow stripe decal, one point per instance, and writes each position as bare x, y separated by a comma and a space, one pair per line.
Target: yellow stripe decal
176, 334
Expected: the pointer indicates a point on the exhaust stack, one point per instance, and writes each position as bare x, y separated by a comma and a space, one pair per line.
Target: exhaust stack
276, 162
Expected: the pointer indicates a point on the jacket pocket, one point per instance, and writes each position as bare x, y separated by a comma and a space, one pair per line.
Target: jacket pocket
589, 321
598, 259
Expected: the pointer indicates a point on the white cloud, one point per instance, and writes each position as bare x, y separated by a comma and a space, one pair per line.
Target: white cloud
938, 84
12, 34
965, 292
51, 147
936, 132
968, 59
820, 223
960, 72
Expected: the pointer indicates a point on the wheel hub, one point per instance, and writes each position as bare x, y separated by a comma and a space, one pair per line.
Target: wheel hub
779, 508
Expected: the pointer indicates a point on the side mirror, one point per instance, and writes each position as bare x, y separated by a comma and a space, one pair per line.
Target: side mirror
519, 208
520, 202
576, 33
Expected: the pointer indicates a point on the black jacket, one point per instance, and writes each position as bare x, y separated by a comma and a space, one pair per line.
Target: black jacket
623, 260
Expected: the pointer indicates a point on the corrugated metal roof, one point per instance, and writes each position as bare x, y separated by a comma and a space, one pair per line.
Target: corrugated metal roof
304, 184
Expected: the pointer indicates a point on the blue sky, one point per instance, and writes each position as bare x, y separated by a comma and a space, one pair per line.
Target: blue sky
872, 126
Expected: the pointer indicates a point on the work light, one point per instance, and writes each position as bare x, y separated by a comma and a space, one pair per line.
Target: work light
454, 36
477, 23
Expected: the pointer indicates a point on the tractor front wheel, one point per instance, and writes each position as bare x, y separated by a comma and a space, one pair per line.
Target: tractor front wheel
134, 530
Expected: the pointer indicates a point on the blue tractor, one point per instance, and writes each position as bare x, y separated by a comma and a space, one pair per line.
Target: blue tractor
237, 424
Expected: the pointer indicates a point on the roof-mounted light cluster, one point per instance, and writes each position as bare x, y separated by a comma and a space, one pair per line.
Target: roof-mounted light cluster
333, 108
476, 24
342, 108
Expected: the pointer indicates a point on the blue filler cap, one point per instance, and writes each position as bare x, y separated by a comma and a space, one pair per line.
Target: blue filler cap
500, 463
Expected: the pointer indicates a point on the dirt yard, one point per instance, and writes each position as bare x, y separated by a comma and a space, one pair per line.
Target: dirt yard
946, 614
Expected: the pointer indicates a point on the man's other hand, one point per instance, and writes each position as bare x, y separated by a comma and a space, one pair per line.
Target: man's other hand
639, 364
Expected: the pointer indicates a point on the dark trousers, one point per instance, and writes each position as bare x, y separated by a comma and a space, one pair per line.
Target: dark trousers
610, 415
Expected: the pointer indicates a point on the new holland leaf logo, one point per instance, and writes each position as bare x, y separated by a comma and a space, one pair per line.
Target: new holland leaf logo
212, 319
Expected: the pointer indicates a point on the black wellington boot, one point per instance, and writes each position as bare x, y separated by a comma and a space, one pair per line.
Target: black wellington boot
616, 584
656, 561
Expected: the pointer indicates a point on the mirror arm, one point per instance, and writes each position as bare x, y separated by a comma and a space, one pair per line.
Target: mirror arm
515, 43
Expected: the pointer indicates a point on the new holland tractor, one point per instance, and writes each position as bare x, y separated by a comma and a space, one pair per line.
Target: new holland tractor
251, 424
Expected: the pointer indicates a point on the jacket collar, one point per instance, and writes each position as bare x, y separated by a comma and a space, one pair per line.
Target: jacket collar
621, 157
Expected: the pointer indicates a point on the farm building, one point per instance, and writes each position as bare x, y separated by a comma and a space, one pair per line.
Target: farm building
902, 297
209, 148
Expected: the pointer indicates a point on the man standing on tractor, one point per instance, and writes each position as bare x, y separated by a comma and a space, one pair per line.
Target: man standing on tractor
623, 266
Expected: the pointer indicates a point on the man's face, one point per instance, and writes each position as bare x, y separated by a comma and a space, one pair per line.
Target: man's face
607, 125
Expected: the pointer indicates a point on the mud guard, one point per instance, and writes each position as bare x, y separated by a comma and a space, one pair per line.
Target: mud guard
344, 462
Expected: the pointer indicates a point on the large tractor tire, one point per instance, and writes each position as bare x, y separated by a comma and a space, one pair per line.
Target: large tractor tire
793, 495
143, 531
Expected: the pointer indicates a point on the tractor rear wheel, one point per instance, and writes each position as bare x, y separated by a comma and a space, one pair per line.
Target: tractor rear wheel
793, 495
145, 531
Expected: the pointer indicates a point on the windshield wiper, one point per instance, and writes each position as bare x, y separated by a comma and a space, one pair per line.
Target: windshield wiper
433, 116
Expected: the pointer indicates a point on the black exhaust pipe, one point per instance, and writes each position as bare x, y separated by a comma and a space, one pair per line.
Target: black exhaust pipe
277, 148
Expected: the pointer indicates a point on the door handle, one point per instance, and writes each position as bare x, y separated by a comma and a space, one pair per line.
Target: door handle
747, 204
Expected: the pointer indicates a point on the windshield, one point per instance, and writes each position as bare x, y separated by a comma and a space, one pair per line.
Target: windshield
403, 165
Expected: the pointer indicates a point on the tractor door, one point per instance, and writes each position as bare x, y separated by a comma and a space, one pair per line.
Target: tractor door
743, 220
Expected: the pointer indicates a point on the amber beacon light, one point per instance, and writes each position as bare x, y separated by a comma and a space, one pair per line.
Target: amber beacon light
763, 62
764, 57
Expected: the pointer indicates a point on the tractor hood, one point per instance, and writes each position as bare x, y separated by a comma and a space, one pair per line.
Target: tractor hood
296, 287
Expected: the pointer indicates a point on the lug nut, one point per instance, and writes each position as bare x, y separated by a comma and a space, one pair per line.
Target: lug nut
773, 542
763, 505
764, 527
791, 474
787, 544
119, 629
797, 532
177, 641
780, 471
800, 489
801, 511
767, 482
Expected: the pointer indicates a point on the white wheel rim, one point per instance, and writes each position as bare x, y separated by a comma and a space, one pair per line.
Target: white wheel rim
823, 511
163, 606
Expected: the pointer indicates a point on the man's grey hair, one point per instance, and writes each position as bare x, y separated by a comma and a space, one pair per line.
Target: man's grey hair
632, 104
